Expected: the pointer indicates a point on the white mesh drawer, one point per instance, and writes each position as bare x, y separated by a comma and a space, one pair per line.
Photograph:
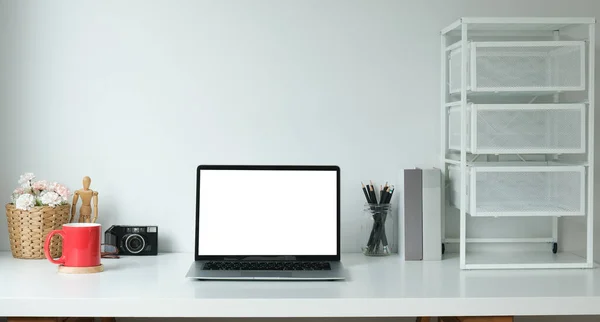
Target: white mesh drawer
520, 128
521, 66
454, 71
454, 128
521, 190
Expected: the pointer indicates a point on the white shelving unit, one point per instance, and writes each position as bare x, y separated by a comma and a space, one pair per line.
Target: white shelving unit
517, 131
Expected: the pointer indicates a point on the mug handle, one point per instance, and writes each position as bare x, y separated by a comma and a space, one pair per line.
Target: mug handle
61, 260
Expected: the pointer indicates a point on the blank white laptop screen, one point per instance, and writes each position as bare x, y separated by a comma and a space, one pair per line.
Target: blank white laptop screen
267, 212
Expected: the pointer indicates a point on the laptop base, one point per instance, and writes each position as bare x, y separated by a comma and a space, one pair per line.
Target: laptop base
196, 272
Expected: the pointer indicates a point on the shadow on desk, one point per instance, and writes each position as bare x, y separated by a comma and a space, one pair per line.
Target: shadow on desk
357, 319
12, 319
116, 265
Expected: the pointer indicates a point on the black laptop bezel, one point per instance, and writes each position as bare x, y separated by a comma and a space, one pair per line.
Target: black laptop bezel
335, 168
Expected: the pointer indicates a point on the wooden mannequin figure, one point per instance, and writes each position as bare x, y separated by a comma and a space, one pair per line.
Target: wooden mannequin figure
87, 195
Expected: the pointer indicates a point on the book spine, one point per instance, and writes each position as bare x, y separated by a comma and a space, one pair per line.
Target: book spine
432, 214
413, 214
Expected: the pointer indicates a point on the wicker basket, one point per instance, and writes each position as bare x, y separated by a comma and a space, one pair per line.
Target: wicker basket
27, 230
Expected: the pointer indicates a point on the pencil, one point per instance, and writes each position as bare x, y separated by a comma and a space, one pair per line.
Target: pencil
386, 191
372, 194
386, 196
365, 192
391, 193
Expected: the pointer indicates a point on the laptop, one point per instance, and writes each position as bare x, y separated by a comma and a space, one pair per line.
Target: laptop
267, 223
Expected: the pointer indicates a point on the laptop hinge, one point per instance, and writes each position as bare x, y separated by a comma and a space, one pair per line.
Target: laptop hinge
261, 258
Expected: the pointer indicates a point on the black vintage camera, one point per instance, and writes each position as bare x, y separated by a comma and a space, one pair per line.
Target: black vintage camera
133, 240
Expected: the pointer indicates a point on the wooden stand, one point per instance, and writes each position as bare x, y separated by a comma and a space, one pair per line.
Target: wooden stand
80, 270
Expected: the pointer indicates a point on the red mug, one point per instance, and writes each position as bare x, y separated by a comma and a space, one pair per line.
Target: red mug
80, 245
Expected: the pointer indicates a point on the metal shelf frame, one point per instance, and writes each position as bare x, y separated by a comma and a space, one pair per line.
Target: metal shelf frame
464, 29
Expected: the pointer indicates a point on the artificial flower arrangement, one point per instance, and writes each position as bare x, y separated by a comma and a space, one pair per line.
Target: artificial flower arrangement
39, 193
37, 207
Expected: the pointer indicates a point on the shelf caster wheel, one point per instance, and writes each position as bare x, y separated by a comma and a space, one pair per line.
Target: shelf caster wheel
555, 248
443, 249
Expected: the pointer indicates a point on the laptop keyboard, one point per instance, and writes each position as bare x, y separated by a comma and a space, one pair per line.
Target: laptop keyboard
266, 266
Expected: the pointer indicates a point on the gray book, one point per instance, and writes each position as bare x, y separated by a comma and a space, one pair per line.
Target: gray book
432, 214
413, 214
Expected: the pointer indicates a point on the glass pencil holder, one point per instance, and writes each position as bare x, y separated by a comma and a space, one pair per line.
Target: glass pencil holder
377, 229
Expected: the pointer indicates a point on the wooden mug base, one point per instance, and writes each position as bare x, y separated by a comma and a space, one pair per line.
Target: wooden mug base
80, 270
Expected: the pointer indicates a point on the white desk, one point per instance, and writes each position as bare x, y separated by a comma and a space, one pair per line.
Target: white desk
156, 286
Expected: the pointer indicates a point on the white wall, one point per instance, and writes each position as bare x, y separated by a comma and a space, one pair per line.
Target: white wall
136, 94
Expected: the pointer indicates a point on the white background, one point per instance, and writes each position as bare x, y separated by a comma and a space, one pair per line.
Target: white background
257, 212
135, 94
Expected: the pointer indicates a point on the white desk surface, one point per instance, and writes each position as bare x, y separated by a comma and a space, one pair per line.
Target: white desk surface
156, 287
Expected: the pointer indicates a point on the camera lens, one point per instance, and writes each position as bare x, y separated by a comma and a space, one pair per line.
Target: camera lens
134, 243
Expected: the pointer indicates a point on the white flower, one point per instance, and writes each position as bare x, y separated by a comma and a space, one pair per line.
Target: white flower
51, 198
25, 201
25, 178
39, 185
62, 190
38, 193
19, 191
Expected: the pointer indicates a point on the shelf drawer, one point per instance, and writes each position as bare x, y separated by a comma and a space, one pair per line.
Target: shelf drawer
520, 128
520, 190
520, 66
